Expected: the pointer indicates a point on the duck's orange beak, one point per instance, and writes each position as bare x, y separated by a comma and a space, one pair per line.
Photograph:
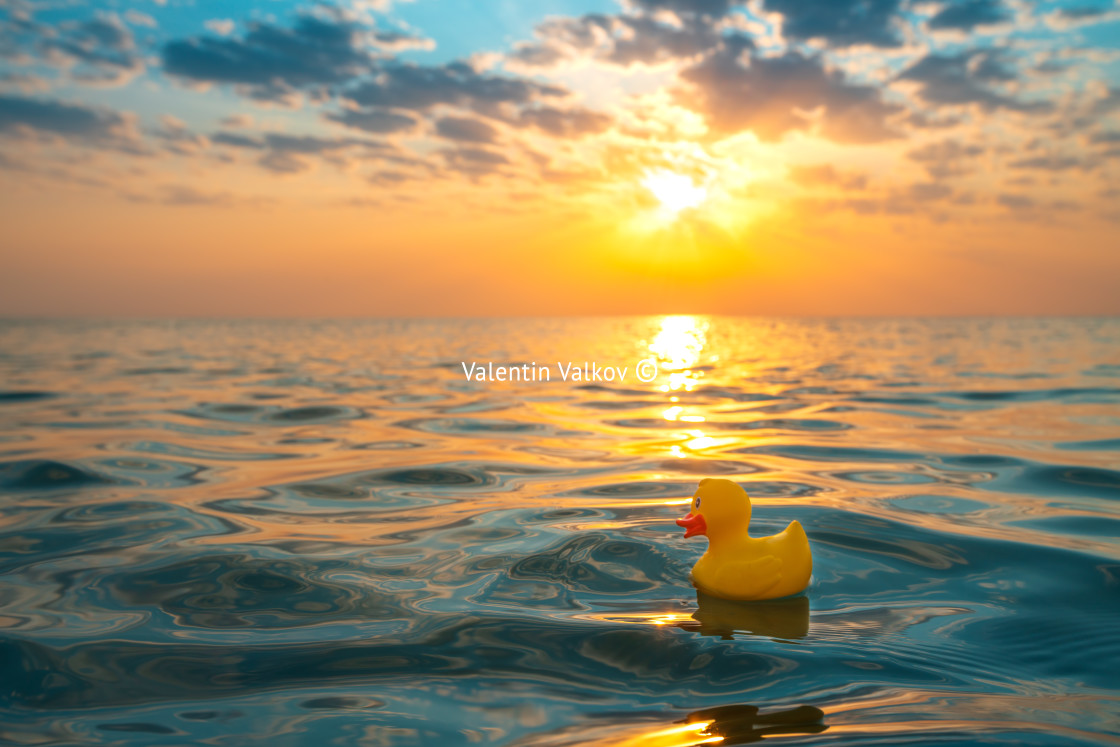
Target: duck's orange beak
693, 525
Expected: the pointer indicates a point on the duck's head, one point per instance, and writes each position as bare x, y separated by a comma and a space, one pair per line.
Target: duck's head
717, 506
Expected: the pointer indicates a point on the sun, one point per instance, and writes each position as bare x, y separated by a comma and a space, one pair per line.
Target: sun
675, 192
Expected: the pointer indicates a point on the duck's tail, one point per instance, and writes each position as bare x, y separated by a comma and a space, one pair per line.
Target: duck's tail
799, 539
796, 532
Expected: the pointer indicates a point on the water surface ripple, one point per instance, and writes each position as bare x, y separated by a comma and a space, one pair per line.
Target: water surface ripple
321, 533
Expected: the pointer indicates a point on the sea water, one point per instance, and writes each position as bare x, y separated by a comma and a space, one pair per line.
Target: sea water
324, 532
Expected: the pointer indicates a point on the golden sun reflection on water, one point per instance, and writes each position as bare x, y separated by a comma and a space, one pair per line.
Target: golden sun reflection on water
678, 345
680, 341
676, 413
733, 724
694, 441
686, 380
677, 736
657, 619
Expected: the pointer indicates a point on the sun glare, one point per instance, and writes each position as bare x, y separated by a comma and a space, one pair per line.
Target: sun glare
679, 342
675, 192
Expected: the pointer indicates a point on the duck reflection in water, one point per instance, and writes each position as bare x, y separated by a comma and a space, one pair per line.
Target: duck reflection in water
729, 724
743, 724
775, 618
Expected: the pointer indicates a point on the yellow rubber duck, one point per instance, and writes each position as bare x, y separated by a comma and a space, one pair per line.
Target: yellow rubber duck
736, 565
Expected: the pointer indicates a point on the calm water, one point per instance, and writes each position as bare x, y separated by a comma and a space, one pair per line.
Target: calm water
281, 533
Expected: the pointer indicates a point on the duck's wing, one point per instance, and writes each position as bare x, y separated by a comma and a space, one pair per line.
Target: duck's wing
752, 578
766, 566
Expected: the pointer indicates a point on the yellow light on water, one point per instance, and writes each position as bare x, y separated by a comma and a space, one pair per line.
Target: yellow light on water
674, 413
700, 441
679, 342
677, 736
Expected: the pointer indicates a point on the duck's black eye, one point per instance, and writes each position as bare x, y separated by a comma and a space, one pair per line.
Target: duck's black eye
697, 503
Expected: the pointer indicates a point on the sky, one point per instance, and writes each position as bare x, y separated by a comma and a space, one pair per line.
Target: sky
443, 158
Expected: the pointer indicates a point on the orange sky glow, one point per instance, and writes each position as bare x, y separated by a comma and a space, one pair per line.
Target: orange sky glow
859, 178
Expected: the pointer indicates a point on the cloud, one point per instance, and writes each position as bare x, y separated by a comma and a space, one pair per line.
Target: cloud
23, 82
91, 125
1050, 163
947, 158
475, 161
420, 87
98, 51
565, 123
774, 95
136, 18
389, 178
16, 29
713, 8
826, 174
928, 199
967, 15
927, 191
646, 40
1063, 19
538, 54
220, 26
104, 31
1084, 11
379, 121
301, 144
178, 139
621, 40
323, 48
280, 162
968, 77
841, 23
1108, 103
1015, 201
1066, 205
101, 50
396, 41
466, 130
287, 154
330, 52
183, 196
237, 121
